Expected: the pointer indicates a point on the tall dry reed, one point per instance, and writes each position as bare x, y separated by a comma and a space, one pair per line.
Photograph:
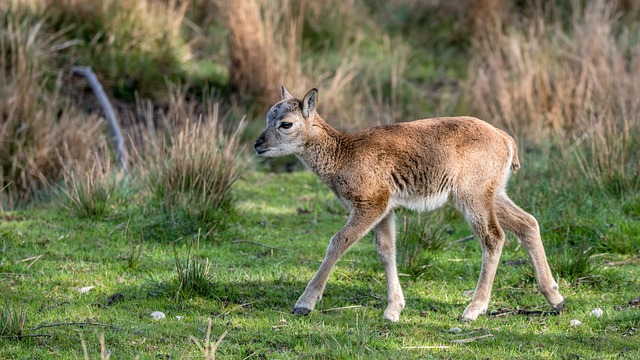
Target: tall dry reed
575, 79
268, 49
40, 131
187, 163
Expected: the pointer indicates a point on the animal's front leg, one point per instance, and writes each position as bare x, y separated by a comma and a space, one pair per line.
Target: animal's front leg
315, 288
360, 222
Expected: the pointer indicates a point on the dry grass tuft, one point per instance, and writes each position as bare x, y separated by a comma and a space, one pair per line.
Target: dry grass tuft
266, 51
189, 164
546, 79
576, 80
91, 188
263, 45
39, 131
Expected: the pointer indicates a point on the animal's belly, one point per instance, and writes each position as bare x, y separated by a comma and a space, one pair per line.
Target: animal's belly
419, 202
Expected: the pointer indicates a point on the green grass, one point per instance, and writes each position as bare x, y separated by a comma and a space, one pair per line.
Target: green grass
259, 263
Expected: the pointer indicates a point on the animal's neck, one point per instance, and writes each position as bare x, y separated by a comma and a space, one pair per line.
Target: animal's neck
324, 150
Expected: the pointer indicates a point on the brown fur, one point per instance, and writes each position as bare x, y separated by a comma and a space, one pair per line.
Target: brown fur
418, 165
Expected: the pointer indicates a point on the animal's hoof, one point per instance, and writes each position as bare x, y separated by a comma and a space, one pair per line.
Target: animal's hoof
559, 307
300, 311
393, 317
467, 318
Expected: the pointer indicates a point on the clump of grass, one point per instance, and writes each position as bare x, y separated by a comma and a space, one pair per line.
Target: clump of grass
575, 265
257, 61
193, 276
189, 172
12, 320
93, 192
417, 240
361, 87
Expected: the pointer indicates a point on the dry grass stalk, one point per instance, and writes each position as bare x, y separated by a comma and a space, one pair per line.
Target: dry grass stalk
544, 79
578, 84
266, 52
36, 137
190, 163
260, 55
90, 188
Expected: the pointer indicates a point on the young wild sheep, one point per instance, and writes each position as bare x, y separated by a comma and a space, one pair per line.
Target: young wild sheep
418, 165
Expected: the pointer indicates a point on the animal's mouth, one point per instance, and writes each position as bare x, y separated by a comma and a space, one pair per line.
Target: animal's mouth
261, 151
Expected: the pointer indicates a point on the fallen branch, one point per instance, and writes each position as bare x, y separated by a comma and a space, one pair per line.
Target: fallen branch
108, 111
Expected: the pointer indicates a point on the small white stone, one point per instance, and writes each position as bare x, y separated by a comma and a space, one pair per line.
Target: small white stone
455, 330
597, 312
576, 322
83, 290
157, 315
179, 317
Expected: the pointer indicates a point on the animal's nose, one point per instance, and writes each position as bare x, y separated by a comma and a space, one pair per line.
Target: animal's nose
258, 143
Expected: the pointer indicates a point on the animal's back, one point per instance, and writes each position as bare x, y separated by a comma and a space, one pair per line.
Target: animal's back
428, 158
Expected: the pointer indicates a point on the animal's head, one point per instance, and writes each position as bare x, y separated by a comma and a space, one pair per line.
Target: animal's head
287, 123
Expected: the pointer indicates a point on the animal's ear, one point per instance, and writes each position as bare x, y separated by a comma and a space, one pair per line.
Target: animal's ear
309, 103
285, 94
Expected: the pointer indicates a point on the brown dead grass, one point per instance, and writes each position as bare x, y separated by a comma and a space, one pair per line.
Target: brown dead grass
265, 40
39, 131
578, 84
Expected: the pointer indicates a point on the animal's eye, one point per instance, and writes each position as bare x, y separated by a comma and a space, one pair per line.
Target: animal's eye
286, 125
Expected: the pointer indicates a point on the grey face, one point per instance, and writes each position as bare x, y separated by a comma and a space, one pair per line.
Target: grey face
282, 134
287, 122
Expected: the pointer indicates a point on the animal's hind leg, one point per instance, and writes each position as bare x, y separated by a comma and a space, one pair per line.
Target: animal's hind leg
482, 218
386, 247
526, 228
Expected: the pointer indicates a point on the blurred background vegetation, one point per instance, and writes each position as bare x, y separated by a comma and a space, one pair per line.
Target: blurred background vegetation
561, 76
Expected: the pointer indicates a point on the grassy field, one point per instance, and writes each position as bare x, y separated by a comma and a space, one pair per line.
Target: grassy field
223, 244
247, 277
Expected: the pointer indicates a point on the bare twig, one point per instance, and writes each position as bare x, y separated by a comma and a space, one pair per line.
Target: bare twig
425, 347
342, 308
33, 260
73, 324
468, 340
236, 308
24, 336
461, 240
256, 244
108, 110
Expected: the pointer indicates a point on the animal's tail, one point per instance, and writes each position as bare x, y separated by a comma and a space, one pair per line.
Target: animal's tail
515, 162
